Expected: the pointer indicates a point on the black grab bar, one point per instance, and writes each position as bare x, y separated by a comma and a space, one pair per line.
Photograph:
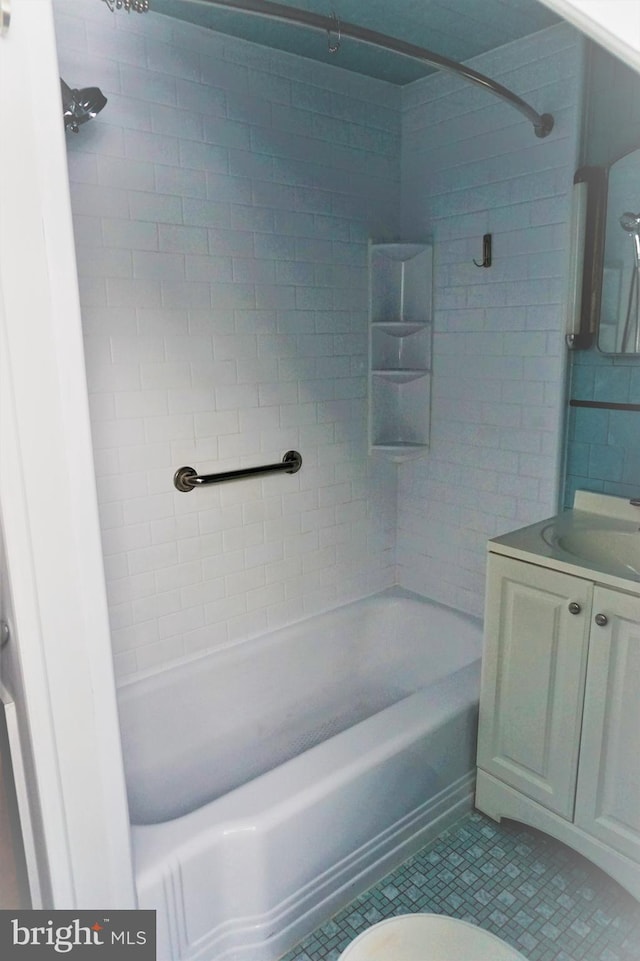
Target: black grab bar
186, 478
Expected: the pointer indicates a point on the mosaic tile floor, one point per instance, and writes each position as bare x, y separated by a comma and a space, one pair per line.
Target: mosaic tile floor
538, 895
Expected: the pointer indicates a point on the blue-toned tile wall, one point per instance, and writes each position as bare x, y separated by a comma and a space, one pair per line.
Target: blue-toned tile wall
603, 445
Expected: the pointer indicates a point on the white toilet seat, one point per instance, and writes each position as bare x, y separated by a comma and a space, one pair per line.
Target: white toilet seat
428, 937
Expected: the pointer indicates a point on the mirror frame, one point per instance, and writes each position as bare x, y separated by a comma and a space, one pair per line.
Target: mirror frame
595, 220
592, 260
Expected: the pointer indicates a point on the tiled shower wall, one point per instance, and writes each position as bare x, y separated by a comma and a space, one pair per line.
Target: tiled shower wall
472, 165
222, 204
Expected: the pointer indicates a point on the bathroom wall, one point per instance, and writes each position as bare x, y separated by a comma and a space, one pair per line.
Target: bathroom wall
603, 445
223, 202
612, 107
473, 165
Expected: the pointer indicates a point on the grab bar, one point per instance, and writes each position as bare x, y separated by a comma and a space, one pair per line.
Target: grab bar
186, 478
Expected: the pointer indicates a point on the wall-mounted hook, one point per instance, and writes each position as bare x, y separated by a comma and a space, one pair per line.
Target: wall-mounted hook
334, 45
486, 252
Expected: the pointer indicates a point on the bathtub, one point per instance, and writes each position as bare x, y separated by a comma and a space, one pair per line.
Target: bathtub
273, 781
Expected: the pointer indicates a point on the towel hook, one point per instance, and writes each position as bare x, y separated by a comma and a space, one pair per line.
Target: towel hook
486, 252
334, 45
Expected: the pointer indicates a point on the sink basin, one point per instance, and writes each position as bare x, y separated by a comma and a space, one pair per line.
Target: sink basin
610, 546
600, 534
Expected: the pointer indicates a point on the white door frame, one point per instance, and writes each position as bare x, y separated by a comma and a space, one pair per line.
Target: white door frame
58, 665
614, 24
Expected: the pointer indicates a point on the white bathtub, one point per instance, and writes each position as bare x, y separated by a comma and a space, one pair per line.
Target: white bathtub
273, 781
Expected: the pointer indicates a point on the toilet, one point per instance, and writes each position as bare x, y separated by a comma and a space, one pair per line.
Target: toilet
428, 937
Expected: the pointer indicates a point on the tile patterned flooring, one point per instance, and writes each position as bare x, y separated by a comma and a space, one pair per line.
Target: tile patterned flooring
538, 895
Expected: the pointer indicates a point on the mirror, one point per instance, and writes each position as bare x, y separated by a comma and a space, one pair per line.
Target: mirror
619, 328
609, 299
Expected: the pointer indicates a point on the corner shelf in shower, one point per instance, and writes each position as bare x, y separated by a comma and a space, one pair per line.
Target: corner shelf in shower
401, 375
397, 328
400, 332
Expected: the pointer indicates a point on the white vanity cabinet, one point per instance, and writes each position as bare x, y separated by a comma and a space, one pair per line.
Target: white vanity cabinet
533, 680
559, 727
608, 791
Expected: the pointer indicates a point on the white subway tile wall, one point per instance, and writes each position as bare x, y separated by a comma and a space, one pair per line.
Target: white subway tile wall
223, 201
471, 165
222, 205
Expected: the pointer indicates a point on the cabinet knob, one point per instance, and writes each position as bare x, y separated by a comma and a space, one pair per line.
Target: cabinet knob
574, 607
601, 620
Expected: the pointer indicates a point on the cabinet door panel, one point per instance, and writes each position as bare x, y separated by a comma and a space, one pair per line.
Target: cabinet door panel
533, 677
608, 795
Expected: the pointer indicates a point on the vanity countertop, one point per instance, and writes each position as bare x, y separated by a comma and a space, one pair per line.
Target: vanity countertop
598, 539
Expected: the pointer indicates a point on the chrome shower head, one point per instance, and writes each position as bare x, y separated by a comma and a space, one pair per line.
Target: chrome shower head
630, 223
78, 106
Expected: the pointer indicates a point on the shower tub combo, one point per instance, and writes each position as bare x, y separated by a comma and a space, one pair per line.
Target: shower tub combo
272, 781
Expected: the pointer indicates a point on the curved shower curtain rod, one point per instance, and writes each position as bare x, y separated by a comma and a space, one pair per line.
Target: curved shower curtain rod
542, 123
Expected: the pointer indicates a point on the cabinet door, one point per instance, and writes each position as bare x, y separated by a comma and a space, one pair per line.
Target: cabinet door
532, 680
608, 795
